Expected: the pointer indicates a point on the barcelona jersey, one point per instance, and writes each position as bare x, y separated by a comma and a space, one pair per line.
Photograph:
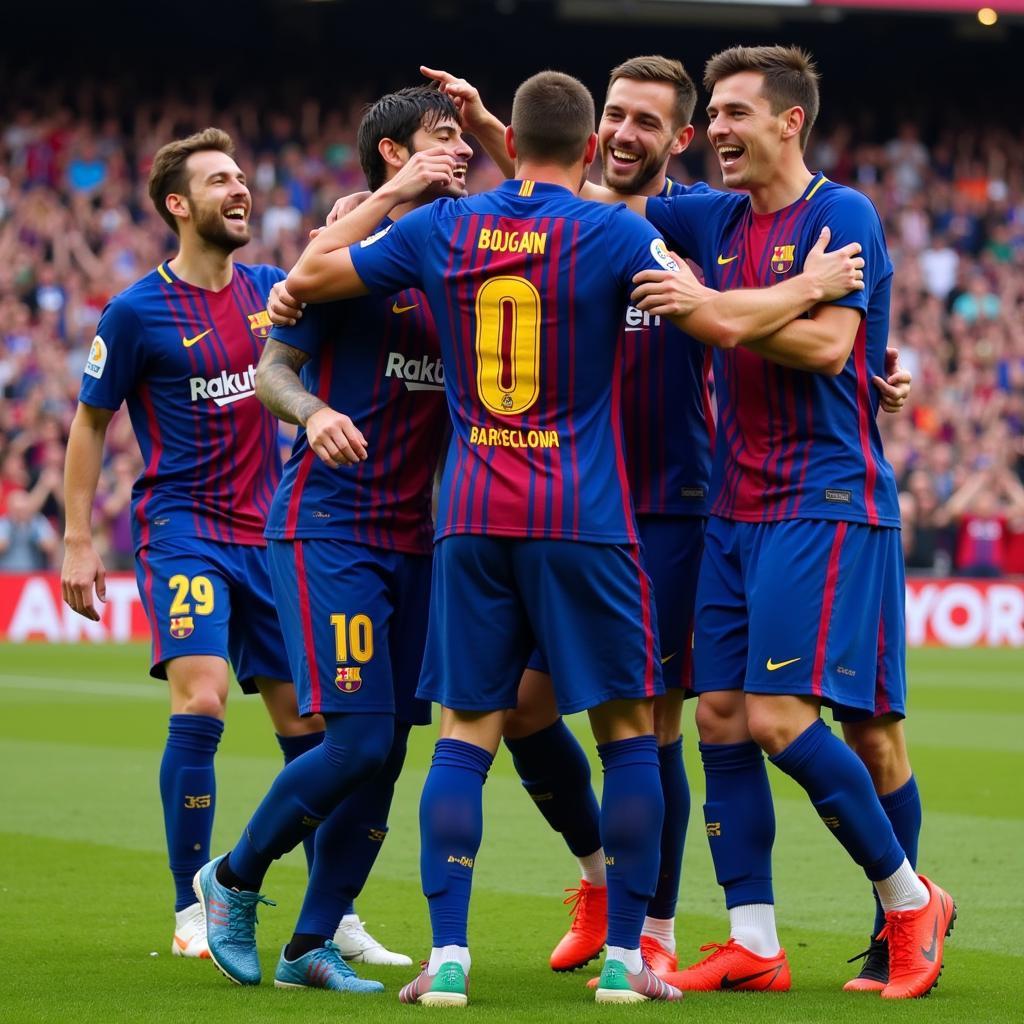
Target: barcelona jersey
528, 285
666, 410
793, 444
184, 358
378, 361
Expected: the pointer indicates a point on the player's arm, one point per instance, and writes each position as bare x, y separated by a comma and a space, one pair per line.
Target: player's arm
600, 194
331, 435
325, 270
83, 568
820, 343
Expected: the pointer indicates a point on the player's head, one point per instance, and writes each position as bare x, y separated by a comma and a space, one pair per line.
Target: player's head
764, 100
404, 122
553, 121
197, 187
646, 119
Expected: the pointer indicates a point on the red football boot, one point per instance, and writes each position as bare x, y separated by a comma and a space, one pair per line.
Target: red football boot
586, 937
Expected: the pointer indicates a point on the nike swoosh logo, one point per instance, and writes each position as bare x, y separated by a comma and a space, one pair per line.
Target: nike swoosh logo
773, 665
396, 308
723, 260
728, 983
665, 661
189, 342
929, 953
180, 942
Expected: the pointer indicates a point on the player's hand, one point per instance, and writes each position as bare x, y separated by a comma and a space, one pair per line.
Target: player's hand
345, 205
283, 310
894, 388
836, 273
668, 292
466, 97
82, 571
335, 438
434, 166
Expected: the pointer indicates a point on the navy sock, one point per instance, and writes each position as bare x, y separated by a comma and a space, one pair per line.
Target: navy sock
740, 819
188, 792
632, 815
556, 773
293, 747
903, 809
843, 795
673, 833
347, 844
451, 826
306, 791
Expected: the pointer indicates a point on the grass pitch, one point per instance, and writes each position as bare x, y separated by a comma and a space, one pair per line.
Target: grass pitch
86, 899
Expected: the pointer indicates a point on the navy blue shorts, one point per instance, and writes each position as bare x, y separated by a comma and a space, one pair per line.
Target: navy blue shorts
586, 607
803, 607
670, 552
205, 597
355, 621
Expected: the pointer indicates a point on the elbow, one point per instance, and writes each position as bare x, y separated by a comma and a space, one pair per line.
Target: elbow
302, 285
834, 360
262, 381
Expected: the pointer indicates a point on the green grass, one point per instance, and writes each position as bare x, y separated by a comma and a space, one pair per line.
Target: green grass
85, 896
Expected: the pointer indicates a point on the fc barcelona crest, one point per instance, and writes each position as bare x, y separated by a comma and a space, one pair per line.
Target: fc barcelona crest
348, 679
182, 627
782, 258
260, 324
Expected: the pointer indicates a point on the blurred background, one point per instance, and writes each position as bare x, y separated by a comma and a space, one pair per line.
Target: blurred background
917, 112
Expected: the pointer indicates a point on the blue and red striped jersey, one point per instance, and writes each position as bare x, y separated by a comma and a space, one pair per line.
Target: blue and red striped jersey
528, 285
793, 444
184, 358
666, 410
378, 361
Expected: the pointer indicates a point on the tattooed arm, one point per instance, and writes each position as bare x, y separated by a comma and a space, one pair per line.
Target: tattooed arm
332, 435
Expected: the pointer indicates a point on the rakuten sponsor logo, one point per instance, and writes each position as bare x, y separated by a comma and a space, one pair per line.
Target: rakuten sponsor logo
225, 389
421, 374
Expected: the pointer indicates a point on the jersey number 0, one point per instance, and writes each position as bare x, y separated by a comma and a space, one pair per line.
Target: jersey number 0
507, 344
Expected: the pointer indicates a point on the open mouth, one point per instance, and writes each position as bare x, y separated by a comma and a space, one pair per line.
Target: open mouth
623, 156
729, 155
237, 212
459, 173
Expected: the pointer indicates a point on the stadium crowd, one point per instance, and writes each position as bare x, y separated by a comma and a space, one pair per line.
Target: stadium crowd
76, 227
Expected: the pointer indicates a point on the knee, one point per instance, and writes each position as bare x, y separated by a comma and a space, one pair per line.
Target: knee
883, 751
203, 700
721, 717
362, 741
770, 730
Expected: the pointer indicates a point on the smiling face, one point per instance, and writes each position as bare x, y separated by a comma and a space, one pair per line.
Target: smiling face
748, 138
218, 200
446, 132
637, 134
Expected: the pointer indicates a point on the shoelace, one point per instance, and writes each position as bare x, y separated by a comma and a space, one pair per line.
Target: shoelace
576, 901
901, 953
718, 948
357, 930
875, 947
242, 920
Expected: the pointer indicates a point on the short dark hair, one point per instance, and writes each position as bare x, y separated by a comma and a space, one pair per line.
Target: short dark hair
399, 116
552, 118
790, 77
661, 69
169, 173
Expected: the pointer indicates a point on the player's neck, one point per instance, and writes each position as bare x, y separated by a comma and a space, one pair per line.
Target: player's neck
653, 188
551, 174
203, 266
785, 187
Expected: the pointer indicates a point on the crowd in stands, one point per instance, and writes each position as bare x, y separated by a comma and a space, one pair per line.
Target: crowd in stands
76, 227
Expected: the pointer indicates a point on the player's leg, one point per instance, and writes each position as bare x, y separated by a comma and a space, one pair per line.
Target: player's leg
478, 642
555, 771
738, 811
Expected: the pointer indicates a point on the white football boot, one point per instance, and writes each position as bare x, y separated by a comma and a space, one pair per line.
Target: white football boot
358, 946
190, 933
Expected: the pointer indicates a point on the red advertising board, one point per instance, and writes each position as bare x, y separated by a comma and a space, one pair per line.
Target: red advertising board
940, 612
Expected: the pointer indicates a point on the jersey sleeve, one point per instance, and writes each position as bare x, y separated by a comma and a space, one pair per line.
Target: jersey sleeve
307, 334
851, 218
391, 259
633, 246
115, 359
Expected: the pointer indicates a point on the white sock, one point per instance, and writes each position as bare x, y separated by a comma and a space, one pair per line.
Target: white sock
753, 926
663, 929
902, 890
442, 954
631, 958
592, 868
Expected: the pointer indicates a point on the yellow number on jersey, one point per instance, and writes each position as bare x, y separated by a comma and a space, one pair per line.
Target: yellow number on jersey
199, 587
507, 344
353, 637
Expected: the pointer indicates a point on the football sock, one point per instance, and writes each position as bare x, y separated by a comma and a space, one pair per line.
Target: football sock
903, 809
303, 943
293, 747
844, 797
188, 792
306, 791
630, 958
451, 825
556, 773
753, 927
662, 929
592, 868
740, 820
445, 954
673, 832
902, 890
632, 814
348, 842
